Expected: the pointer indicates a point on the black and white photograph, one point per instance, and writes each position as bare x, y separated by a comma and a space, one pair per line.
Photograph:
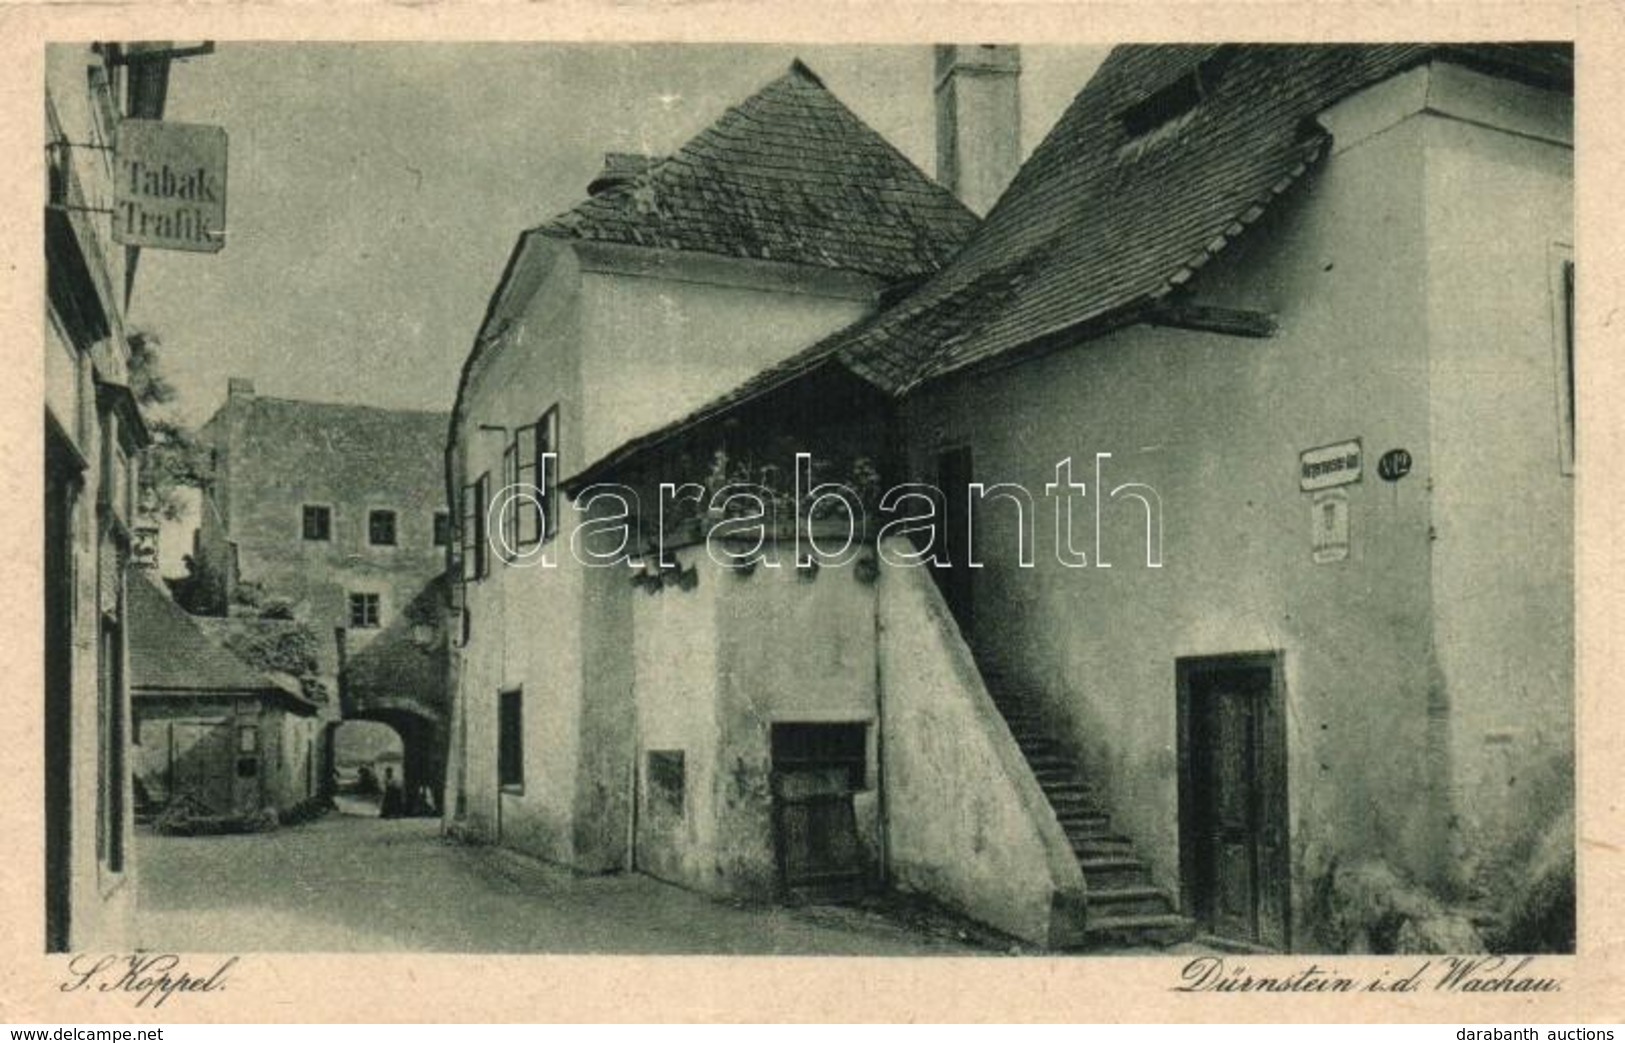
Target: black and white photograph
1004, 500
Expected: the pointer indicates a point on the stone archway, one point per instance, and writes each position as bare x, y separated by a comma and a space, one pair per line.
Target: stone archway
423, 741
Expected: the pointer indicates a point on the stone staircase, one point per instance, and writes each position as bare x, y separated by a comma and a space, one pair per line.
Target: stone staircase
1124, 906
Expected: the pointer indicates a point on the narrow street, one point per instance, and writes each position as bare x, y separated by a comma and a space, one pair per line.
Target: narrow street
348, 882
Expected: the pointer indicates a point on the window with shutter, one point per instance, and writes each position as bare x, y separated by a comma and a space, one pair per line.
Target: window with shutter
526, 508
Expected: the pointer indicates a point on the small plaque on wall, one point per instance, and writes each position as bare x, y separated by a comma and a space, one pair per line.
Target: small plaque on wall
1329, 541
1330, 465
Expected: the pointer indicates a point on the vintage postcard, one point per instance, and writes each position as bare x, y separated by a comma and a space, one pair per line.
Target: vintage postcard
1061, 512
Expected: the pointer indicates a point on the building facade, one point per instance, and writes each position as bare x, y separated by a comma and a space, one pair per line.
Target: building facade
211, 735
785, 221
1246, 432
332, 515
92, 441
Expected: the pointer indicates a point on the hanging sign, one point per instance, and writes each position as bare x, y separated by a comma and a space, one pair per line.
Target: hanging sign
1329, 465
169, 186
1394, 465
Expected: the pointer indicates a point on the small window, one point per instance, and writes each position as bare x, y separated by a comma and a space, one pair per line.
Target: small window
364, 611
843, 747
318, 522
510, 741
475, 498
248, 739
547, 441
247, 767
666, 781
381, 528
1173, 101
442, 528
1563, 344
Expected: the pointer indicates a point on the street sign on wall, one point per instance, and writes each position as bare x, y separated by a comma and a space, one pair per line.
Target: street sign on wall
169, 188
1329, 465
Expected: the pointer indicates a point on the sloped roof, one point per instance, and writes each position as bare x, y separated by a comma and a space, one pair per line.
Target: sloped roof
1097, 224
346, 429
171, 655
791, 175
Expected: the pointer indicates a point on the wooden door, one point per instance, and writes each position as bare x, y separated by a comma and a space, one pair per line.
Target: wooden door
816, 770
60, 489
203, 762
1233, 798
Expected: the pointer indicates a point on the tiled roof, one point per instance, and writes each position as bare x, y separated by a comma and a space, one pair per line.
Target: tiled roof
792, 175
171, 655
347, 429
1098, 223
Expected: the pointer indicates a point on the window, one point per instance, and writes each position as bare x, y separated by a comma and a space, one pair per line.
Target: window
1172, 102
510, 741
475, 497
533, 521
442, 528
1562, 276
364, 611
825, 747
381, 528
318, 522
547, 441
248, 738
666, 781
507, 532
523, 512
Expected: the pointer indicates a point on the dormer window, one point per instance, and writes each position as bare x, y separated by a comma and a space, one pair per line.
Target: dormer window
1170, 107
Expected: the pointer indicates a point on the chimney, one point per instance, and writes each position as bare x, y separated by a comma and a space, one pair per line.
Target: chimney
621, 170
978, 90
239, 387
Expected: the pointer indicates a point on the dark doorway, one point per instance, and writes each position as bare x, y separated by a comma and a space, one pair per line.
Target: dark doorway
1232, 797
61, 486
816, 770
366, 755
954, 477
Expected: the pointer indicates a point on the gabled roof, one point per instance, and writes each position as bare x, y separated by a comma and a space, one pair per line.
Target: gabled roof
1098, 220
1101, 222
345, 446
790, 175
342, 427
171, 655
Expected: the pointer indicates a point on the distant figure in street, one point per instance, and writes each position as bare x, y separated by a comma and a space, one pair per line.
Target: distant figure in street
394, 805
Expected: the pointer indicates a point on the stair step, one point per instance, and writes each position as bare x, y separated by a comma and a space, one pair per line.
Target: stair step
1085, 823
1090, 846
1109, 871
1159, 929
1144, 902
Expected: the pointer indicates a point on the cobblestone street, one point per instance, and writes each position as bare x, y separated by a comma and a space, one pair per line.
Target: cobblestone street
354, 883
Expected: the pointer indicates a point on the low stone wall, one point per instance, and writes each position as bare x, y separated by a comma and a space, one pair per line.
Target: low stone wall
967, 823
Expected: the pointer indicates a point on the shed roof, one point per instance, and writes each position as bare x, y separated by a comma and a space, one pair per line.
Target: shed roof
171, 655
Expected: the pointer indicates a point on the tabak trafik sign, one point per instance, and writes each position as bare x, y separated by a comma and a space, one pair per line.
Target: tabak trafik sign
169, 188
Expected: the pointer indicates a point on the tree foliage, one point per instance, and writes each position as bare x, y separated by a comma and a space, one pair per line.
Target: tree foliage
176, 460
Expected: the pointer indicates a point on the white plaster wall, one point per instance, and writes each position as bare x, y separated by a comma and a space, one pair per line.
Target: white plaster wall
1500, 215
1215, 424
654, 350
